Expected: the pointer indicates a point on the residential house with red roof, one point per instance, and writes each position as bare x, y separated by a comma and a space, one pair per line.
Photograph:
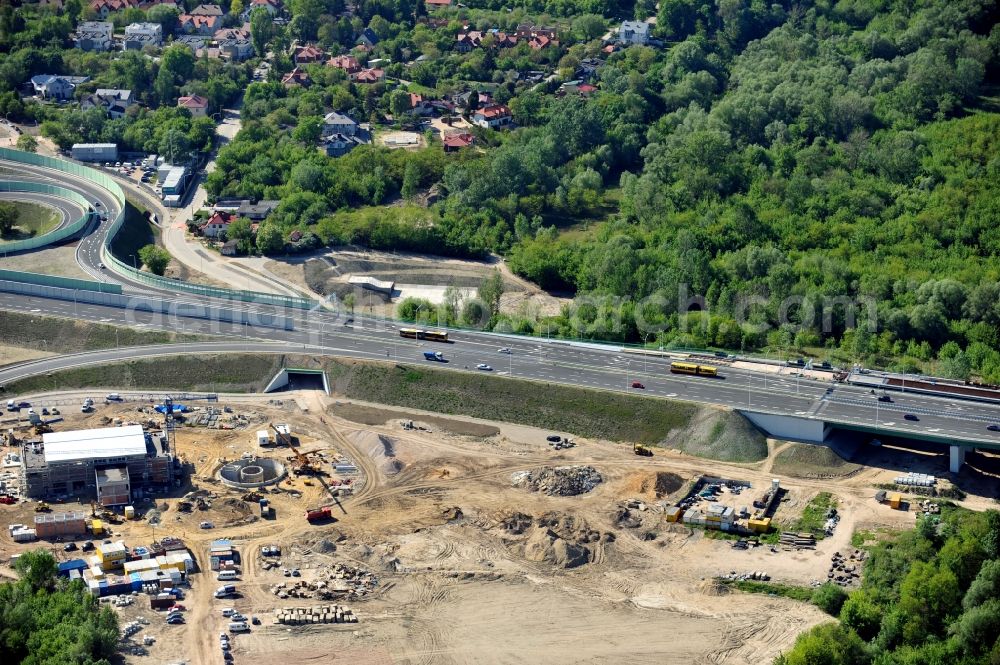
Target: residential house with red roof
458, 140
196, 104
307, 55
217, 224
346, 62
198, 24
370, 76
496, 116
296, 77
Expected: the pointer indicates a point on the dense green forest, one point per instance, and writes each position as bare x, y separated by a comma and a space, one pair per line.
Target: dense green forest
45, 620
930, 596
775, 159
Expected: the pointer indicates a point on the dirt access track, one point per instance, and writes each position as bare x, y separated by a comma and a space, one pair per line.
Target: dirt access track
469, 566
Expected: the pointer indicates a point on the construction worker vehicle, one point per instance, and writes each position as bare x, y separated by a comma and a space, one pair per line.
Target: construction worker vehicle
641, 450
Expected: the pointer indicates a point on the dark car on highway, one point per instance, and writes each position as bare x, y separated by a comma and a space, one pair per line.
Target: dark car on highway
636, 384
910, 416
993, 428
884, 398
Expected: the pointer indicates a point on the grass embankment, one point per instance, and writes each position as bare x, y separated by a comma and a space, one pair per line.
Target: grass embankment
33, 219
828, 597
803, 460
560, 408
210, 373
721, 435
57, 335
136, 233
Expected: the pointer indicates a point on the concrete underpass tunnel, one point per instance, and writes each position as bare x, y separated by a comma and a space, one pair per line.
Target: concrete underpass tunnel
291, 378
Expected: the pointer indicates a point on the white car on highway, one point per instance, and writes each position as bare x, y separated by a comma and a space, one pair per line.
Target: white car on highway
484, 367
503, 350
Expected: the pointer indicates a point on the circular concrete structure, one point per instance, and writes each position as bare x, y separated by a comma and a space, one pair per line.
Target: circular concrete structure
252, 473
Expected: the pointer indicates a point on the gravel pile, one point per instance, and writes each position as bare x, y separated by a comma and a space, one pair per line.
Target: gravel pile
559, 480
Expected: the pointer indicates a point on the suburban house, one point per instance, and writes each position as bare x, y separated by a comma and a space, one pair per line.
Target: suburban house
633, 32
496, 116
140, 35
437, 4
338, 145
338, 123
504, 40
197, 43
419, 105
466, 41
457, 141
576, 87
199, 24
587, 70
197, 105
273, 7
235, 43
370, 76
207, 10
346, 62
217, 224
104, 7
472, 99
307, 55
527, 31
257, 211
296, 77
538, 42
113, 102
368, 38
95, 36
50, 86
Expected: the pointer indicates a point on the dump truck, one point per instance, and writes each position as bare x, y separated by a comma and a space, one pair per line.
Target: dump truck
318, 514
434, 355
641, 450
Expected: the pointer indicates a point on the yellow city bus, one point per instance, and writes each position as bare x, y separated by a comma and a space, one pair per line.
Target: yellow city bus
693, 369
430, 335
436, 335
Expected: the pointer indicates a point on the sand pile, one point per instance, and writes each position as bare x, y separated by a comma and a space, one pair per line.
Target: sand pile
559, 539
381, 448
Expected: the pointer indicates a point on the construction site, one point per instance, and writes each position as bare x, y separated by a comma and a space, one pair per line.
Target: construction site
336, 531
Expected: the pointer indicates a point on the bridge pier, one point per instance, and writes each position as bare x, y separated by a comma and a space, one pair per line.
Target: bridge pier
957, 458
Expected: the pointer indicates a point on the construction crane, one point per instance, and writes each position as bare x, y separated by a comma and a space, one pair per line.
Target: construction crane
301, 462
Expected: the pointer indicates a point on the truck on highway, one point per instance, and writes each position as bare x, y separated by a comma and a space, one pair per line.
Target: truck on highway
318, 514
434, 355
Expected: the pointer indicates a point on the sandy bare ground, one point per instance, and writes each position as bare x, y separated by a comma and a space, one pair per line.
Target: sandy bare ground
470, 567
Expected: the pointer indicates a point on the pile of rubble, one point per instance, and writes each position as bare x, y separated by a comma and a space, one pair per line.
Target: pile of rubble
341, 580
845, 571
561, 540
559, 480
753, 575
301, 616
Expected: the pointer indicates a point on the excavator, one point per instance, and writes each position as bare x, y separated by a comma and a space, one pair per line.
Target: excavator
641, 450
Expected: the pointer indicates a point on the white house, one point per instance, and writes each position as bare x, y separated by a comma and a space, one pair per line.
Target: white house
50, 86
633, 32
338, 123
94, 36
197, 105
139, 35
496, 116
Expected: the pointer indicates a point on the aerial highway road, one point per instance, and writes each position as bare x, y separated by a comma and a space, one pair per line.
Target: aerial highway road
535, 359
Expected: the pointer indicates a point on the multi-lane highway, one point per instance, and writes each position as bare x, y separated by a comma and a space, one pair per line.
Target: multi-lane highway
589, 366
592, 366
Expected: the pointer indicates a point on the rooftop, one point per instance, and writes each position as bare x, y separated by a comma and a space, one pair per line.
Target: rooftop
94, 443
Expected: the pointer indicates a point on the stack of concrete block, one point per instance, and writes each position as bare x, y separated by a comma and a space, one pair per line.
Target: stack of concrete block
301, 616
